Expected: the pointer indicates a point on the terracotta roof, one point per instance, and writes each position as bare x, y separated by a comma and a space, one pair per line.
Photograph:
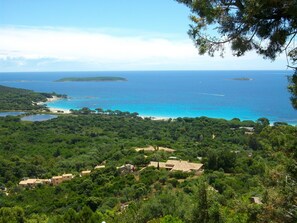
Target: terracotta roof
155, 164
26, 182
33, 181
180, 165
184, 165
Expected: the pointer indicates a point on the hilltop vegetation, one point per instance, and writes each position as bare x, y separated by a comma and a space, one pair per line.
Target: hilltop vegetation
242, 160
22, 99
237, 165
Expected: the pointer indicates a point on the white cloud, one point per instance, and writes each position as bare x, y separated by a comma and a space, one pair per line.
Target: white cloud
95, 50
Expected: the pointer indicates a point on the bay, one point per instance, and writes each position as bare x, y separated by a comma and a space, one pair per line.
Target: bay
247, 95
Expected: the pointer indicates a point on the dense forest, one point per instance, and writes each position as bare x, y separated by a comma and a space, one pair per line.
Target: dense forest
22, 99
244, 162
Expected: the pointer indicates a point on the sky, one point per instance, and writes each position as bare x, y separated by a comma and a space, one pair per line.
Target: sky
99, 35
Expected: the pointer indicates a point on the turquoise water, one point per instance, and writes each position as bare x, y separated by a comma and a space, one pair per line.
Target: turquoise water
171, 93
38, 118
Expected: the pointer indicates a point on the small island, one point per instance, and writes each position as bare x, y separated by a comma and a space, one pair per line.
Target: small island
90, 79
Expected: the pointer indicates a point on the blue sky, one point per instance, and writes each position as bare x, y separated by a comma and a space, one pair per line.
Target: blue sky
56, 35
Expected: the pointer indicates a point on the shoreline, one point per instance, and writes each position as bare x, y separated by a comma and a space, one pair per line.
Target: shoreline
54, 109
59, 110
156, 118
52, 99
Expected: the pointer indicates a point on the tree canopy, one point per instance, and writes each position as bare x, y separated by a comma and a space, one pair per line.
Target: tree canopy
268, 27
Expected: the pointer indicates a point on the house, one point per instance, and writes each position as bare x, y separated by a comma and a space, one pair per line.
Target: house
178, 165
67, 176
33, 182
43, 181
127, 168
157, 148
59, 179
85, 173
56, 180
256, 200
28, 183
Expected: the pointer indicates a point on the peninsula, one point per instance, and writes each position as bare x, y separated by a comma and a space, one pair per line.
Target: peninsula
90, 79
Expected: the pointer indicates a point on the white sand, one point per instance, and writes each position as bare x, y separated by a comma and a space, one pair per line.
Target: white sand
55, 110
54, 98
59, 110
157, 118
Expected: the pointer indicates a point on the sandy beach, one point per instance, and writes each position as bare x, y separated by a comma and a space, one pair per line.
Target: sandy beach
157, 118
54, 98
59, 110
52, 109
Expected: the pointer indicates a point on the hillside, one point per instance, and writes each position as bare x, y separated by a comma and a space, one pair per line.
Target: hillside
249, 169
13, 99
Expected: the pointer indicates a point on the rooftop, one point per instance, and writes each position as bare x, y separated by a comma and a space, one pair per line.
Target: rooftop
178, 165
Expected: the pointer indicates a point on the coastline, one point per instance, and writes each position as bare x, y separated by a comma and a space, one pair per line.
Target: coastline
52, 99
53, 109
156, 118
59, 110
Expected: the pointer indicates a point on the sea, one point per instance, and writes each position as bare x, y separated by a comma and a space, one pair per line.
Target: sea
247, 95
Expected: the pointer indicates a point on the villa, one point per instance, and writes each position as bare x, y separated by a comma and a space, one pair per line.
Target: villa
59, 179
33, 182
178, 165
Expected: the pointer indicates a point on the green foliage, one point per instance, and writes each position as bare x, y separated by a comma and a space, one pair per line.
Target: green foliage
19, 99
200, 213
293, 88
12, 215
237, 167
244, 24
12, 99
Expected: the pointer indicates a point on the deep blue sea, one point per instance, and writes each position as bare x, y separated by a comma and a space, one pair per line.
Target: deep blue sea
171, 93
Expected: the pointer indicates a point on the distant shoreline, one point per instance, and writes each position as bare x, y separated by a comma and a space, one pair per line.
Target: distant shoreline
90, 79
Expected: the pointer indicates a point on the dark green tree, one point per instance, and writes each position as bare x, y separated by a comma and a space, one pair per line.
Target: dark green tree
84, 215
244, 24
200, 213
12, 215
70, 216
293, 89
